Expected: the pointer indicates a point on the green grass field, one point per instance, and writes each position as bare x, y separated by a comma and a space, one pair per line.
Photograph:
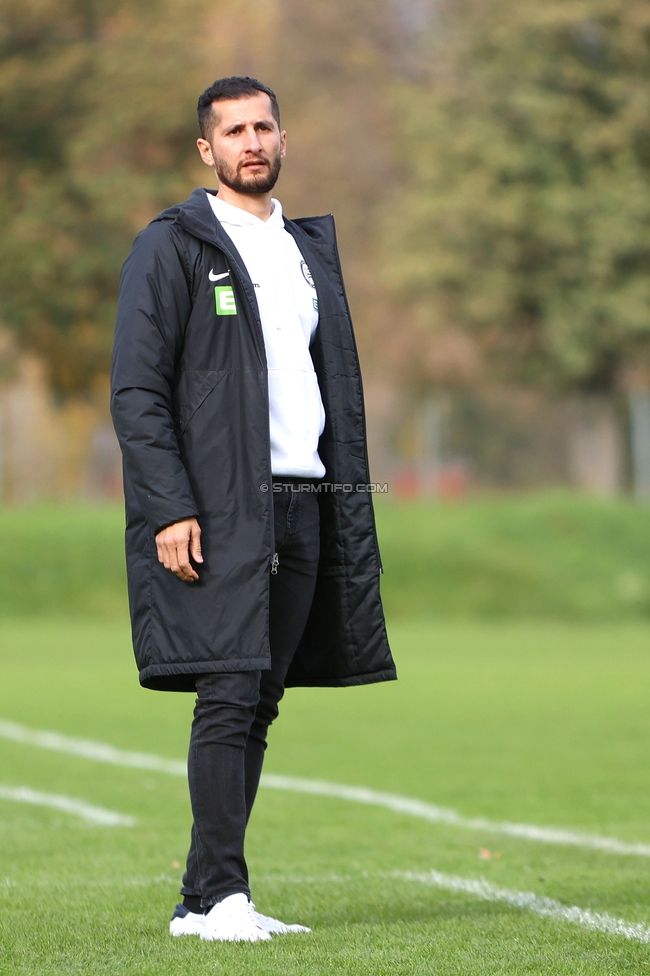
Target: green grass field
535, 722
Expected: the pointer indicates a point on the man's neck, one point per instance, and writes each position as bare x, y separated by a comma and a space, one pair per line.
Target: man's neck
258, 204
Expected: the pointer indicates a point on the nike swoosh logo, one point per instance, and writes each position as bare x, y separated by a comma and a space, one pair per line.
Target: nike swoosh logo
213, 277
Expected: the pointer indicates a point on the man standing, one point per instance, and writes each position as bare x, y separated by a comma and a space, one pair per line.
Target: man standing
251, 549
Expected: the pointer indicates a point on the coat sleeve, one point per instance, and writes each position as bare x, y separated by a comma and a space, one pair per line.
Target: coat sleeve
153, 309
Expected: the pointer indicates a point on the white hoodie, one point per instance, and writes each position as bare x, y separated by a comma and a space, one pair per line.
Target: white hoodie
288, 308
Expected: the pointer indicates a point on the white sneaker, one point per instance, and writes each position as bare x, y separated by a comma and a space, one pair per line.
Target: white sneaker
233, 920
274, 926
185, 922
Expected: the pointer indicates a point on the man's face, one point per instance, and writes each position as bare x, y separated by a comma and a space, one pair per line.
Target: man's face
246, 146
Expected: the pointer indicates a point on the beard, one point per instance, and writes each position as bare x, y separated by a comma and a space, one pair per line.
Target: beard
241, 181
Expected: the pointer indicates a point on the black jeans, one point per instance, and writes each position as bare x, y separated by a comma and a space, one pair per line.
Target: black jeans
234, 710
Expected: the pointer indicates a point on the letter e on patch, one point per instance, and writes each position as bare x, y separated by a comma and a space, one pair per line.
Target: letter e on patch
225, 300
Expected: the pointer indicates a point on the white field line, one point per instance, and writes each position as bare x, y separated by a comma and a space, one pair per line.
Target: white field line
101, 752
79, 808
436, 814
87, 749
486, 891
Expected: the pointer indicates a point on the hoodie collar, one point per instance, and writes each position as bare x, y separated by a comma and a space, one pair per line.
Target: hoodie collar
233, 216
197, 217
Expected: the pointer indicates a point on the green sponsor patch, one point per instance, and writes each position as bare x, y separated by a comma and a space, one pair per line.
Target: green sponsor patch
224, 298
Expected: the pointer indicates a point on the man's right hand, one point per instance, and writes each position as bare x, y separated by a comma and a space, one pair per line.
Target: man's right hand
176, 543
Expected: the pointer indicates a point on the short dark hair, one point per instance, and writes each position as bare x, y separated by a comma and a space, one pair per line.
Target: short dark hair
224, 89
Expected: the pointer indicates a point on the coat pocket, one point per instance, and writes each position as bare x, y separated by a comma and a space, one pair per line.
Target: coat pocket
194, 385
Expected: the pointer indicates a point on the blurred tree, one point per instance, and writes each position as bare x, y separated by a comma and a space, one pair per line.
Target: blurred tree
94, 140
525, 218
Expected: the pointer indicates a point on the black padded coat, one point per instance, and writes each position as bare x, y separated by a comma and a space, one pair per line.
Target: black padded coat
190, 407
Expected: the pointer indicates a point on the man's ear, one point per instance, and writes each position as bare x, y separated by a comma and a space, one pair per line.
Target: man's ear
205, 151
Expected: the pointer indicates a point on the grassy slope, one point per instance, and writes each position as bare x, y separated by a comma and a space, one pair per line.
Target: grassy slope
550, 555
64, 560
557, 556
545, 723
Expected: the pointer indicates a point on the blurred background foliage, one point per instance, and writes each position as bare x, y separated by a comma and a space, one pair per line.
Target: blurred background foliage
487, 161
525, 211
98, 130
